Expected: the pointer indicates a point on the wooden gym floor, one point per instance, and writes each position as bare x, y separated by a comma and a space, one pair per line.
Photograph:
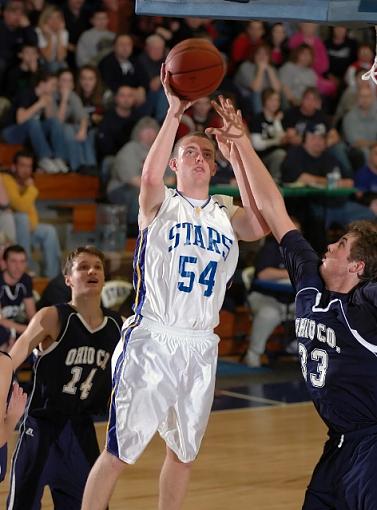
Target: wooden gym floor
256, 457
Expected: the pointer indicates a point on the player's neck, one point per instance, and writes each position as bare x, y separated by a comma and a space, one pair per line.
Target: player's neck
198, 193
89, 307
341, 284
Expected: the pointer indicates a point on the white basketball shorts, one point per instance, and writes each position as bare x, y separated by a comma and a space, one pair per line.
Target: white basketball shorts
163, 379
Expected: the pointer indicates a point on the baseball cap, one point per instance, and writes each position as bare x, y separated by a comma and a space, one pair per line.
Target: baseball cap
316, 129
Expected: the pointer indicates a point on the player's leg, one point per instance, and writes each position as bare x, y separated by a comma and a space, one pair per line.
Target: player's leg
71, 459
104, 474
185, 424
320, 494
358, 487
174, 479
138, 405
29, 473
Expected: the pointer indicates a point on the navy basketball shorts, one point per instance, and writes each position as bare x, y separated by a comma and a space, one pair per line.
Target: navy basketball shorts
163, 380
5, 336
58, 455
345, 477
3, 462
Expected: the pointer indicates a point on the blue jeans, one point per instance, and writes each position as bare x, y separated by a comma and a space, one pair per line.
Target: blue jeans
340, 152
344, 214
44, 236
46, 136
79, 153
129, 195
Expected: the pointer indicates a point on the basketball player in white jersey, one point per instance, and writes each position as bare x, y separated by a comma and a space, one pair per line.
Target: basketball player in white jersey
164, 367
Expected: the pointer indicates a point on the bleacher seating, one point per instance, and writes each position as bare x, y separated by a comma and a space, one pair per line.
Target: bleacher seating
69, 186
7, 152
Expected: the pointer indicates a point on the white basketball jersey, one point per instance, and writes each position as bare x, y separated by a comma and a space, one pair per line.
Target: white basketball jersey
184, 260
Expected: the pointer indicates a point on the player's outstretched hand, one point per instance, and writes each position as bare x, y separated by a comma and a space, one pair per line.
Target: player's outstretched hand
17, 403
233, 127
177, 104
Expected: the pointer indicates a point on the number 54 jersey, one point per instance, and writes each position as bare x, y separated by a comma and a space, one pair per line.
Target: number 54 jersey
337, 341
184, 260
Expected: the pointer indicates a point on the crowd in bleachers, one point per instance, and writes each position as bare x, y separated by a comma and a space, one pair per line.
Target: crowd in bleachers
80, 88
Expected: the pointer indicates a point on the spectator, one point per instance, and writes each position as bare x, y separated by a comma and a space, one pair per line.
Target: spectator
56, 292
144, 26
116, 126
270, 306
33, 119
90, 90
71, 113
120, 68
186, 28
33, 9
8, 227
151, 59
52, 38
267, 133
198, 117
307, 34
309, 164
95, 43
124, 184
310, 111
365, 57
17, 305
12, 36
246, 42
76, 15
30, 232
278, 42
120, 13
20, 76
366, 181
254, 77
360, 123
349, 97
342, 52
297, 75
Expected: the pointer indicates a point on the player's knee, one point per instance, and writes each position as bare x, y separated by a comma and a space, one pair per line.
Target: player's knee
111, 462
172, 457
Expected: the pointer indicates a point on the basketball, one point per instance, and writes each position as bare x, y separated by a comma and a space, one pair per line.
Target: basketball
196, 67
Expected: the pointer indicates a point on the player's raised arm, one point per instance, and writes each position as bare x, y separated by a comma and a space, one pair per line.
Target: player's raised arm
43, 329
152, 177
247, 222
255, 183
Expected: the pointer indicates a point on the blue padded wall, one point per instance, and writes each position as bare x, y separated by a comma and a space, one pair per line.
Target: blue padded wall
359, 12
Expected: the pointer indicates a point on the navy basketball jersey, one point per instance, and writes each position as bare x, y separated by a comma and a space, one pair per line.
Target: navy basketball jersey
73, 375
184, 260
3, 449
12, 297
337, 341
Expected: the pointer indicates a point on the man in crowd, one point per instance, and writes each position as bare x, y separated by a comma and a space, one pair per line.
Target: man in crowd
22, 194
17, 305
